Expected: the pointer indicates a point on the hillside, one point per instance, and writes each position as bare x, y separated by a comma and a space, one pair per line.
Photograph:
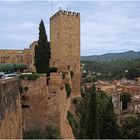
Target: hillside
112, 56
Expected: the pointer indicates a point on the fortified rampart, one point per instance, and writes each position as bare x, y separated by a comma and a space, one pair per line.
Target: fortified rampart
10, 110
46, 107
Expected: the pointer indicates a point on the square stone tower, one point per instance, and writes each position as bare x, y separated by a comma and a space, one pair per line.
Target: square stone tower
65, 45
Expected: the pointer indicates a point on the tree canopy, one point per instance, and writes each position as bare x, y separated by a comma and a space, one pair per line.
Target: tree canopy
6, 67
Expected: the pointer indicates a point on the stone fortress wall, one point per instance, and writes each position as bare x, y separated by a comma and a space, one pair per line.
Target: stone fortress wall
10, 110
47, 105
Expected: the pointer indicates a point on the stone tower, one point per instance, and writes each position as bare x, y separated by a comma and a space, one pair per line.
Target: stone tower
65, 45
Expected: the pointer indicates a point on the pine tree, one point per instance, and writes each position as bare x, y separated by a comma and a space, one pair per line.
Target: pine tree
42, 51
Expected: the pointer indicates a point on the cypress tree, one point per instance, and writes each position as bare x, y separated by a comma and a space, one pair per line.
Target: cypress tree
91, 124
109, 129
42, 51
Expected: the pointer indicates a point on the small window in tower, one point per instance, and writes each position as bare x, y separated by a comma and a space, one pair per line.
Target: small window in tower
68, 67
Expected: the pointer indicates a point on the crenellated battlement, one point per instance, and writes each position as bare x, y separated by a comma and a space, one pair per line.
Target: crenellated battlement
65, 13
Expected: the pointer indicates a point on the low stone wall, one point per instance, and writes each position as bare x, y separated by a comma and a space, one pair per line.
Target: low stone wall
10, 110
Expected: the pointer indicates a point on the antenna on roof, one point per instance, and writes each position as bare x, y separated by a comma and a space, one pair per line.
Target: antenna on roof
67, 8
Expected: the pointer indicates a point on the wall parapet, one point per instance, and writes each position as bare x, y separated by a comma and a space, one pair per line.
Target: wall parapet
65, 13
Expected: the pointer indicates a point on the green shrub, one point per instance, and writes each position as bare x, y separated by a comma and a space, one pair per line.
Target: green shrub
68, 89
29, 76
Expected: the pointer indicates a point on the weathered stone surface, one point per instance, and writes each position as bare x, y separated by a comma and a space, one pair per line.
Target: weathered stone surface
48, 106
65, 45
10, 110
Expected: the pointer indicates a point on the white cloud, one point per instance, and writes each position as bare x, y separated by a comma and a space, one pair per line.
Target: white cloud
105, 26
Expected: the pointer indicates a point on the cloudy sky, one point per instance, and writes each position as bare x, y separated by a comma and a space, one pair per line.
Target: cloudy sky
106, 26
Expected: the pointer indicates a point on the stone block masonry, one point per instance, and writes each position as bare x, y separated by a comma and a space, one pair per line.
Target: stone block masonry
65, 45
47, 106
10, 110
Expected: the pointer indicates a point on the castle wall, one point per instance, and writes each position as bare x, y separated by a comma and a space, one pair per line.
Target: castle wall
47, 106
11, 56
65, 45
25, 56
10, 110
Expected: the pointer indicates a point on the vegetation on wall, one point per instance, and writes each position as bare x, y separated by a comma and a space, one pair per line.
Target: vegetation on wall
29, 76
42, 51
68, 89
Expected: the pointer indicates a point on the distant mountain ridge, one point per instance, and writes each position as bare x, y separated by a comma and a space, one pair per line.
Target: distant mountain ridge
112, 56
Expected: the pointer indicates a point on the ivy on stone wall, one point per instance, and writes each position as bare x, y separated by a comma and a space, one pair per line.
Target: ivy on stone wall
68, 89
